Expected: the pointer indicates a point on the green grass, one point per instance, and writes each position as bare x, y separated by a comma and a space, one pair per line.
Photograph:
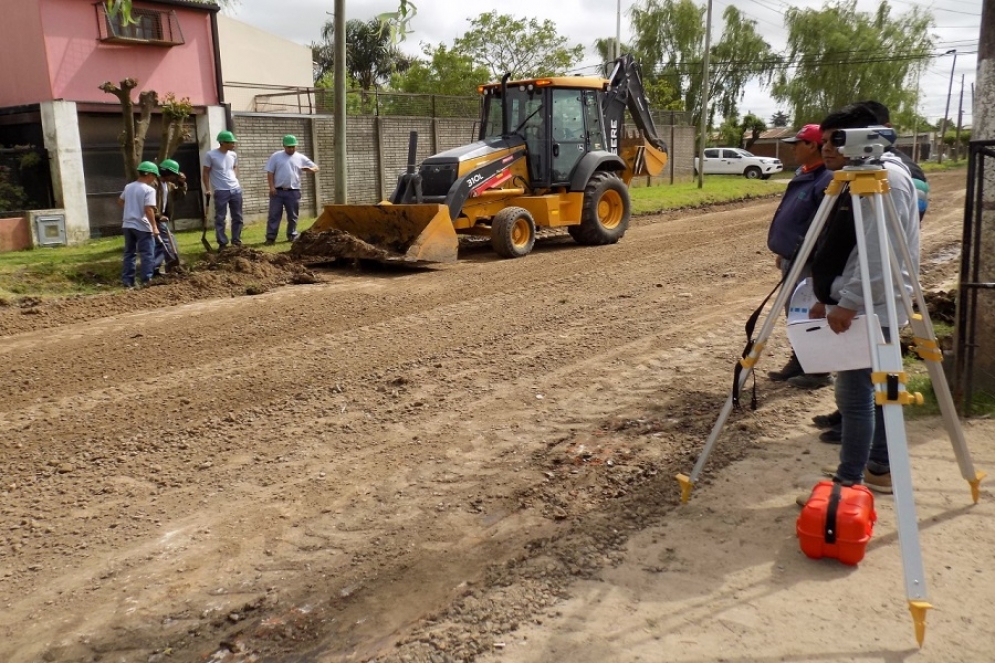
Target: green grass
948, 164
95, 267
716, 189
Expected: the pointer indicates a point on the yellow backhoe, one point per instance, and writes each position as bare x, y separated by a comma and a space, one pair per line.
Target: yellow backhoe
552, 152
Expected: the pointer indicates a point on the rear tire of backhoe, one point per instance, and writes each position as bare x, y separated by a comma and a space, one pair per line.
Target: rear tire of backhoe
605, 216
513, 232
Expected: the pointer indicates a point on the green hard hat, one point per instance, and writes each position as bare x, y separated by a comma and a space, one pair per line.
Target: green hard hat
170, 166
290, 141
148, 167
227, 137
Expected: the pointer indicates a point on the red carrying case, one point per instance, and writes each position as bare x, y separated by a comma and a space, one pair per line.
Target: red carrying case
837, 522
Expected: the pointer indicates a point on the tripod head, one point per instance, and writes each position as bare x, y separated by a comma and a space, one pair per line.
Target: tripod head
863, 147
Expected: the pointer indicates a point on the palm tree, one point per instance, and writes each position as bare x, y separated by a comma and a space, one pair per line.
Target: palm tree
371, 56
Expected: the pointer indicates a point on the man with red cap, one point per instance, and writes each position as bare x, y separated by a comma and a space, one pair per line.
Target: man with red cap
790, 224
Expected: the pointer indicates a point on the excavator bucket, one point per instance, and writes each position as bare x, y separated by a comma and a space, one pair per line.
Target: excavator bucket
655, 159
406, 234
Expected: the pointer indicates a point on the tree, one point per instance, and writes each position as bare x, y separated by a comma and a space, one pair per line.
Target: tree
444, 72
752, 127
779, 119
670, 38
522, 47
371, 55
132, 136
837, 55
743, 134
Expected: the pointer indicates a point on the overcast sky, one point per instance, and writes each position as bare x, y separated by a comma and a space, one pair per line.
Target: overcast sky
582, 21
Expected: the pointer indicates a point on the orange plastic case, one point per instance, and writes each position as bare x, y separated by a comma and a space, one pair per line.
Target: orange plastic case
837, 522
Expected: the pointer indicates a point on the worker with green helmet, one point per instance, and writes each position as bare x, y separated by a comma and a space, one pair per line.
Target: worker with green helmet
283, 173
138, 225
172, 184
220, 176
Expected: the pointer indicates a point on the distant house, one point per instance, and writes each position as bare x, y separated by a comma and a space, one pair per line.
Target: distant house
56, 54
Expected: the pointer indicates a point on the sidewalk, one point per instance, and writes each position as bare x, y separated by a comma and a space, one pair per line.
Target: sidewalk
724, 579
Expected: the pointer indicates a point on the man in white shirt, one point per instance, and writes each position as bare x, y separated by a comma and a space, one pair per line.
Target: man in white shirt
283, 173
138, 224
220, 173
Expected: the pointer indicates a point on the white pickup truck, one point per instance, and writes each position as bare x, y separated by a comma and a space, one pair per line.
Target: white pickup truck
734, 161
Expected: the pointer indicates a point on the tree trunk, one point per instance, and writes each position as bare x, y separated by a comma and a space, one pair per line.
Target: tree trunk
127, 135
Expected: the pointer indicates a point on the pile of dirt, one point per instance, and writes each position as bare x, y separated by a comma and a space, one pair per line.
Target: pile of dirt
234, 272
327, 245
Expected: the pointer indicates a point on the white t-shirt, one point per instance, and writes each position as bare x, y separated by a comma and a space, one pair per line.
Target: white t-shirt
137, 196
286, 169
222, 165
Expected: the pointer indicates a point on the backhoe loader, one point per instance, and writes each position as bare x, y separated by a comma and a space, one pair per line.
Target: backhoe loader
552, 152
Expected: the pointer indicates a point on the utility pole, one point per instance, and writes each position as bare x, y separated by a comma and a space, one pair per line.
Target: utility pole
960, 119
618, 31
943, 124
339, 111
704, 96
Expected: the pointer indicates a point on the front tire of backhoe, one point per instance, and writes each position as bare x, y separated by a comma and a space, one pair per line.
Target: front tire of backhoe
605, 216
513, 232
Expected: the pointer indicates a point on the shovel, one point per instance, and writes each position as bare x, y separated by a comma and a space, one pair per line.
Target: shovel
203, 235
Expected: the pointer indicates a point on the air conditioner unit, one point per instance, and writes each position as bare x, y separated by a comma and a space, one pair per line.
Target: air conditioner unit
49, 226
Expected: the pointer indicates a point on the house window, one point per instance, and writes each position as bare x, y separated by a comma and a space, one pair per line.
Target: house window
148, 26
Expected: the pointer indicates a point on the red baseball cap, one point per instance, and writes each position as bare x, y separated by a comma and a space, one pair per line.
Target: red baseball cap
810, 133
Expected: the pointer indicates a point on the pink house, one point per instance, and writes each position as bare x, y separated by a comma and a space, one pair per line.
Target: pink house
56, 54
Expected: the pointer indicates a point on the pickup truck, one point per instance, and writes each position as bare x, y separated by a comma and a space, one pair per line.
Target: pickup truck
734, 161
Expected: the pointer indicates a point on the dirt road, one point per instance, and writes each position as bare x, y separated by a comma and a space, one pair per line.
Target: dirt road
473, 462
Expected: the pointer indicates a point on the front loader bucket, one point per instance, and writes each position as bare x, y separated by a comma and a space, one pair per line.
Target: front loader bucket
404, 234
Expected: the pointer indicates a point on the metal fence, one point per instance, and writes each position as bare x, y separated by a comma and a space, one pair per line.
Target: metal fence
25, 180
974, 361
320, 101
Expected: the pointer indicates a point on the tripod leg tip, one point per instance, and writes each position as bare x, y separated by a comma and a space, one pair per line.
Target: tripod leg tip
686, 486
918, 610
976, 486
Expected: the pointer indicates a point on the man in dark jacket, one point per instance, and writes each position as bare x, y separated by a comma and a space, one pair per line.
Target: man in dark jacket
790, 224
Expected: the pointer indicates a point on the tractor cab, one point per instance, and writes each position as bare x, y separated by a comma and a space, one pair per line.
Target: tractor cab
559, 118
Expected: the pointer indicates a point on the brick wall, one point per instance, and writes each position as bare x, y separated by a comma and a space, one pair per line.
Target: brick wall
377, 153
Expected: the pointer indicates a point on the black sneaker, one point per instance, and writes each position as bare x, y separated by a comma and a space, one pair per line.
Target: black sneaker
832, 436
269, 242
811, 381
791, 369
827, 420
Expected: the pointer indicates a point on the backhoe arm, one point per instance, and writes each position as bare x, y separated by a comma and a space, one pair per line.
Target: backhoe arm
625, 91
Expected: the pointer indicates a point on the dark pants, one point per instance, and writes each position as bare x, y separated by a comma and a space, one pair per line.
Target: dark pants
285, 199
140, 243
864, 442
224, 201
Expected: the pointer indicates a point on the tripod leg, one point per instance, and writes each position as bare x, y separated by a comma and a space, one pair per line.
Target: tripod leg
748, 362
889, 379
929, 351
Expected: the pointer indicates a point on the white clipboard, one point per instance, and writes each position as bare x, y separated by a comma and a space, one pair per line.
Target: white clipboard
821, 350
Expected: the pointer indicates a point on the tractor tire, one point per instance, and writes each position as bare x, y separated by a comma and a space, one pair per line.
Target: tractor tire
513, 232
752, 173
605, 216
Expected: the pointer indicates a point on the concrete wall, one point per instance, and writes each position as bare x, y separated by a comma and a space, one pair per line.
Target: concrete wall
257, 62
377, 153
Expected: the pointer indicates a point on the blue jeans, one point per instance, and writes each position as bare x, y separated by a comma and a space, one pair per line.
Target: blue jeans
864, 441
225, 200
285, 199
138, 242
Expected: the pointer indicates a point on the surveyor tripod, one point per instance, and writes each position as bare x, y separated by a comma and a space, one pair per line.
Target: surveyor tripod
868, 182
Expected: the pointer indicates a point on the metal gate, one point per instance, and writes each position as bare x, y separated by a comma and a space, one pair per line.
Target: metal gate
103, 168
975, 262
